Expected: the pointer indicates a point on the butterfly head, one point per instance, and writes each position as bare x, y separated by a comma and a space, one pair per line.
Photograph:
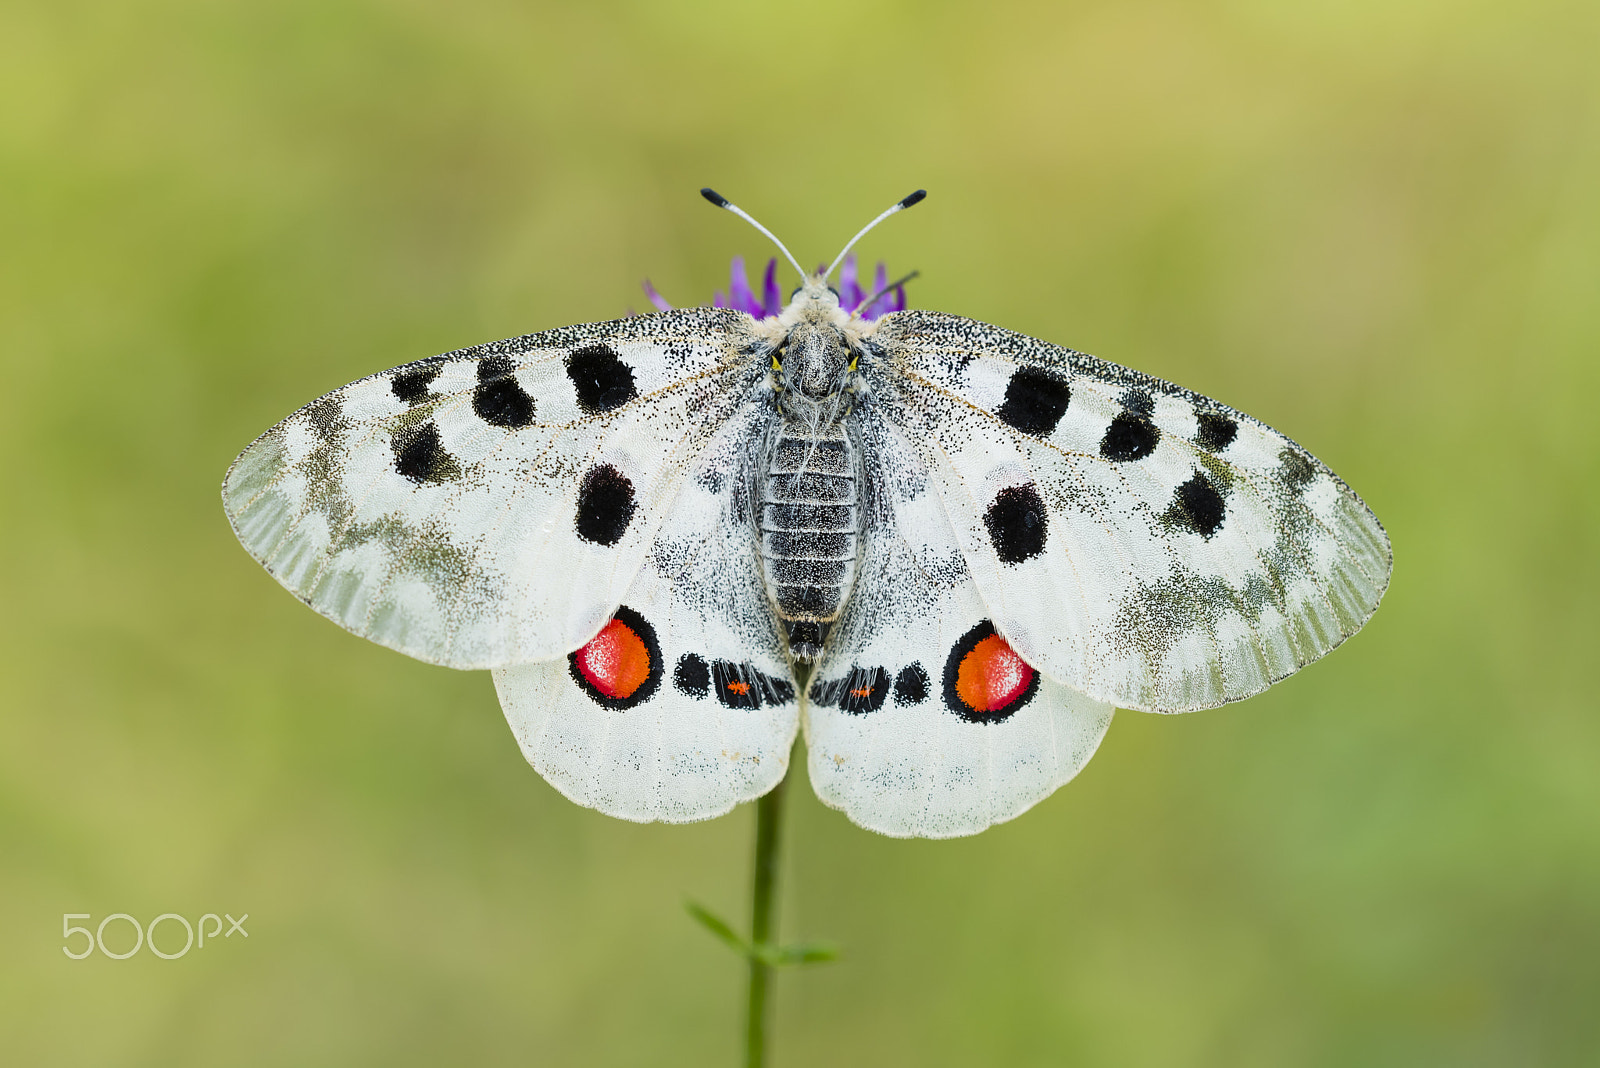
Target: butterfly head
816, 356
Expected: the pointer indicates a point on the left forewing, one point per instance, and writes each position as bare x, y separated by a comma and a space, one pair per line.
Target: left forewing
491, 506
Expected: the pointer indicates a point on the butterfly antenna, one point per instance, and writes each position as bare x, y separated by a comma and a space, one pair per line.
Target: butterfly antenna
902, 205
723, 202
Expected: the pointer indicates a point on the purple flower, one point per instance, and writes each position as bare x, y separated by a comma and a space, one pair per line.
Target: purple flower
741, 296
770, 302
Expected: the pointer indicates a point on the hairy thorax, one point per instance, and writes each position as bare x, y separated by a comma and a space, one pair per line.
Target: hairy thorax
810, 514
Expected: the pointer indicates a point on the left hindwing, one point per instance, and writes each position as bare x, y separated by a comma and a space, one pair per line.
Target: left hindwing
1133, 540
491, 506
684, 705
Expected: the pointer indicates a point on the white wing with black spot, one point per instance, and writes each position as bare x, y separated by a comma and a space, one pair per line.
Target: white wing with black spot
921, 720
1133, 540
684, 705
492, 506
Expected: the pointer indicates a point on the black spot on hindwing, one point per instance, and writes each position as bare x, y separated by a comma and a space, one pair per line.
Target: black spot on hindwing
859, 691
1216, 431
605, 505
602, 381
864, 690
1017, 523
747, 686
419, 455
498, 398
1035, 401
1129, 437
692, 676
1197, 505
911, 685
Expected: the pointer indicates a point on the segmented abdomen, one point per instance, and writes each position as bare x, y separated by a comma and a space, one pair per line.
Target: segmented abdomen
809, 531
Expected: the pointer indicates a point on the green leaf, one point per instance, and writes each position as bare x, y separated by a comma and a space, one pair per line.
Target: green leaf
770, 955
719, 927
798, 954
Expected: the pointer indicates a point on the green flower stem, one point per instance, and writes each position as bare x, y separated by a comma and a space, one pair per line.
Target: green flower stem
761, 952
763, 918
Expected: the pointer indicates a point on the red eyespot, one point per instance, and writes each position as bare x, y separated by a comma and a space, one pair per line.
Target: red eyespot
984, 678
621, 666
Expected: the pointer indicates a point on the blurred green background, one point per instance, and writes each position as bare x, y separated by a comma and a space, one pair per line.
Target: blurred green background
1374, 225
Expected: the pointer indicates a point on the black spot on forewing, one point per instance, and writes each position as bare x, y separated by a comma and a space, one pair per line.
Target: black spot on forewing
1216, 431
420, 455
911, 685
1035, 401
602, 380
1197, 505
1017, 523
605, 505
326, 417
411, 385
693, 676
1129, 437
499, 399
1139, 401
1297, 468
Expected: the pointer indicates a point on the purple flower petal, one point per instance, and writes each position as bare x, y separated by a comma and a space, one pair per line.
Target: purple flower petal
740, 295
879, 305
770, 302
849, 290
771, 299
656, 298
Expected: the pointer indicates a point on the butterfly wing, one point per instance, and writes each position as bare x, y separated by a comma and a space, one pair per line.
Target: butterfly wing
1133, 540
491, 505
921, 721
683, 706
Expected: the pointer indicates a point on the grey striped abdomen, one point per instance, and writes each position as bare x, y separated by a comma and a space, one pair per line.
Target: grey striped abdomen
810, 523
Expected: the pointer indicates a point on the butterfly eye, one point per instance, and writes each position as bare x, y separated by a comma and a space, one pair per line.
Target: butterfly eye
794, 293
834, 291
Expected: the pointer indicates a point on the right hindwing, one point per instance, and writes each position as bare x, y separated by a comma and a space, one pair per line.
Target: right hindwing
492, 506
921, 720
